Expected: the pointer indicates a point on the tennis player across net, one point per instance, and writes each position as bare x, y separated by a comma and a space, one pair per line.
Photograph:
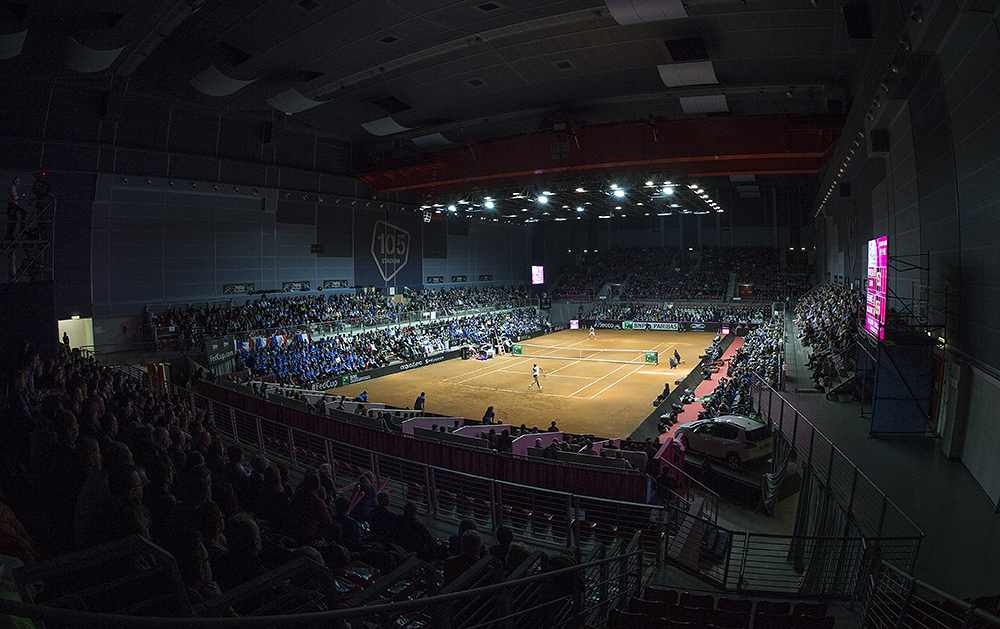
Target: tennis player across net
650, 357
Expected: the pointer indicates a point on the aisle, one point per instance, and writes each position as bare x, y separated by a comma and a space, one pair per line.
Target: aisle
704, 388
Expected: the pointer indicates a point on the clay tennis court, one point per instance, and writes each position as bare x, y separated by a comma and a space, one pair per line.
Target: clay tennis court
582, 396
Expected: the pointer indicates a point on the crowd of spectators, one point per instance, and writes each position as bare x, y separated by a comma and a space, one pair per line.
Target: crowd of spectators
762, 353
335, 310
611, 267
644, 311
669, 274
89, 456
828, 320
314, 363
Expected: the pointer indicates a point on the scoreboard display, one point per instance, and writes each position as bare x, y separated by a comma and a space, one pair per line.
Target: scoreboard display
878, 262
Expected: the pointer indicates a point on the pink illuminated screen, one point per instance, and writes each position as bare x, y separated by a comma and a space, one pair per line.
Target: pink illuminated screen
538, 275
574, 324
878, 262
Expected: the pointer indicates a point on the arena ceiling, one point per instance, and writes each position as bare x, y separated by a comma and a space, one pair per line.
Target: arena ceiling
597, 86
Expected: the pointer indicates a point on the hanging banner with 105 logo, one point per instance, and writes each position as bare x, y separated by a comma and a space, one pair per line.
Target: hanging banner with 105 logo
390, 249
392, 242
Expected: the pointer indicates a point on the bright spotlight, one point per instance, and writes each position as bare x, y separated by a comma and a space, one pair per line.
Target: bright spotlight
579, 209
668, 190
543, 199
489, 205
452, 208
619, 193
581, 189
649, 183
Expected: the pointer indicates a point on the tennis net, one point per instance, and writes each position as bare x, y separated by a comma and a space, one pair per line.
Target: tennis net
650, 357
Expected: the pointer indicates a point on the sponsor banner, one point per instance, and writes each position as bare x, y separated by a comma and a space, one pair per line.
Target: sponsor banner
237, 289
435, 279
667, 326
354, 378
327, 284
294, 287
485, 278
220, 350
458, 278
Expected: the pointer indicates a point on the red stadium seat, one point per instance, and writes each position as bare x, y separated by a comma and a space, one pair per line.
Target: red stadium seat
706, 601
735, 605
648, 608
697, 615
813, 622
618, 619
809, 609
723, 619
772, 621
774, 608
664, 595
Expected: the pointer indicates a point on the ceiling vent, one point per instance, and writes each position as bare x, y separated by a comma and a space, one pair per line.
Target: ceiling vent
309, 5
687, 49
390, 104
388, 39
486, 7
563, 65
638, 11
476, 82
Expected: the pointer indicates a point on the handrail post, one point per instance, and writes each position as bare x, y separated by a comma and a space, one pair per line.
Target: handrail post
260, 434
232, 418
432, 503
291, 446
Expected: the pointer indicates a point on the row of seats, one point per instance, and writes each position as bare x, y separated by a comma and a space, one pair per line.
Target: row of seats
663, 608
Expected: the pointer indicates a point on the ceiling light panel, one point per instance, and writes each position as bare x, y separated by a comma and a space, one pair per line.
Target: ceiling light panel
691, 73
711, 103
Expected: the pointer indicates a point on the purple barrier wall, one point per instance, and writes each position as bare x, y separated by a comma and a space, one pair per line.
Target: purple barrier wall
522, 443
427, 422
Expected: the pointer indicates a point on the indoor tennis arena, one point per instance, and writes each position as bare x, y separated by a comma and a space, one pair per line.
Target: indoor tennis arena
488, 314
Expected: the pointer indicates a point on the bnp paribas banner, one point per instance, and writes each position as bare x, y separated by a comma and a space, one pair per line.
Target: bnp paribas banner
388, 249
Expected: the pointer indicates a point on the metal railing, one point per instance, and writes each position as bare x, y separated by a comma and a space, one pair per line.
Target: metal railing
875, 515
554, 598
735, 561
893, 599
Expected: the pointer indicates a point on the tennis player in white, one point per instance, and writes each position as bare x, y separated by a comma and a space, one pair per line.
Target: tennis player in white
535, 372
593, 335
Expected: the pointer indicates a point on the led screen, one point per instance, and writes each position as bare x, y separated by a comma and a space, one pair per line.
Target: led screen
878, 261
538, 275
574, 324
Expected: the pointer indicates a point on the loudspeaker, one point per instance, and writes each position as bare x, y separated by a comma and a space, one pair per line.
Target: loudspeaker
465, 353
878, 142
859, 25
274, 131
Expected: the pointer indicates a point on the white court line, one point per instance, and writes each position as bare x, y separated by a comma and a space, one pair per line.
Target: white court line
468, 372
615, 382
595, 381
472, 386
565, 366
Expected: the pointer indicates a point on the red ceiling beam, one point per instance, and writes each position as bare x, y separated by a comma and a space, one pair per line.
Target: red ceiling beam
717, 145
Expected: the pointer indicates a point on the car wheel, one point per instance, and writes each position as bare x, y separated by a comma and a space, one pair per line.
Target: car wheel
733, 460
